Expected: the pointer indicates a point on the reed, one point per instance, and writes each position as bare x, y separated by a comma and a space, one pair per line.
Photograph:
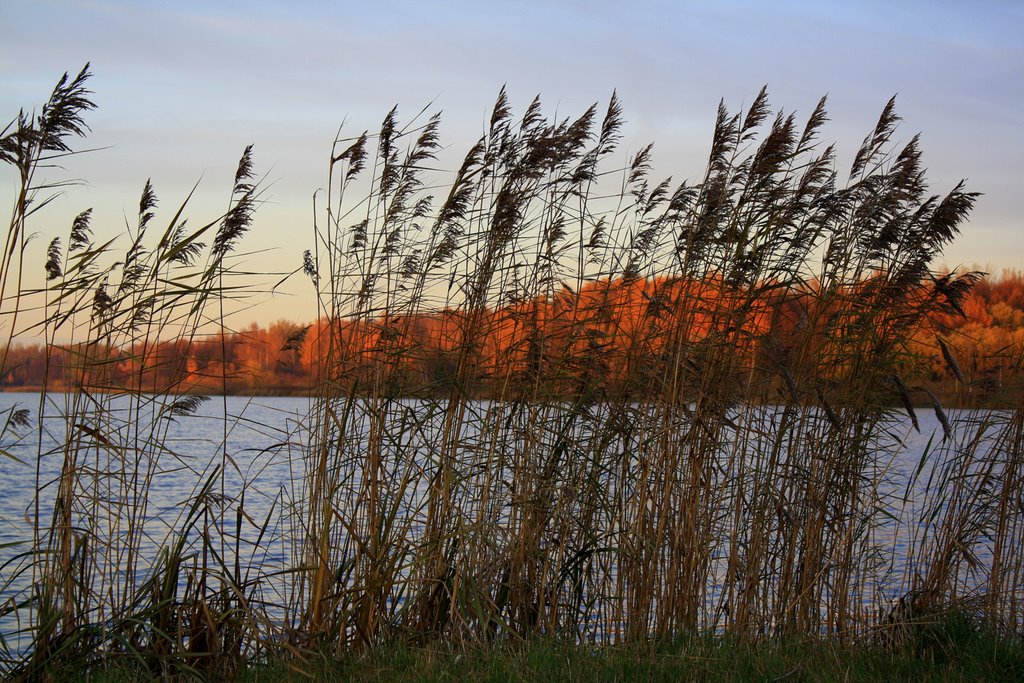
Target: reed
655, 410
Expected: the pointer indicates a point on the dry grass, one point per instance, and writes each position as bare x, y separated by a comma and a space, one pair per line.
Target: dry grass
727, 481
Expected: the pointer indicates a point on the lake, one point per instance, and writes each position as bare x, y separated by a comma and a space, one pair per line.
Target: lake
266, 441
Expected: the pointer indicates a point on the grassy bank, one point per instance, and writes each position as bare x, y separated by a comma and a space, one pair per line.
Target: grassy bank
543, 662
950, 648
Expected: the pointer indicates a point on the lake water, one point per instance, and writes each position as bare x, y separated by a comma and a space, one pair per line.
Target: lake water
265, 438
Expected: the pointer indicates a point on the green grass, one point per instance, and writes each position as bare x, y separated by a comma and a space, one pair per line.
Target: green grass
978, 658
949, 649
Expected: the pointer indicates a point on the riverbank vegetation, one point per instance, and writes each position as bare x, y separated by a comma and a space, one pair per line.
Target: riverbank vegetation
280, 359
655, 410
951, 648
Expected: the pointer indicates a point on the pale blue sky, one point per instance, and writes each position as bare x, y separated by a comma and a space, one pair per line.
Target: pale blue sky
182, 87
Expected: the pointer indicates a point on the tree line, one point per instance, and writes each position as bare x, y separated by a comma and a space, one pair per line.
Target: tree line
623, 331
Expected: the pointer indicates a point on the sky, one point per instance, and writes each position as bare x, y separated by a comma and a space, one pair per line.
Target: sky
183, 87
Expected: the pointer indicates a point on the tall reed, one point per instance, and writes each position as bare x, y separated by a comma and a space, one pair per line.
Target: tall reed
651, 408
651, 455
108, 573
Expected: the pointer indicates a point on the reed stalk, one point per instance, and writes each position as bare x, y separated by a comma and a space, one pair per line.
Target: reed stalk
566, 400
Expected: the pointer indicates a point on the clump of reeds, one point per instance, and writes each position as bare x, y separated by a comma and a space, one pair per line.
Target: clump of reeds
651, 409
108, 576
665, 408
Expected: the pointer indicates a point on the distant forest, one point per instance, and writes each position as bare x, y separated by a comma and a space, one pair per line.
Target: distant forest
627, 340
